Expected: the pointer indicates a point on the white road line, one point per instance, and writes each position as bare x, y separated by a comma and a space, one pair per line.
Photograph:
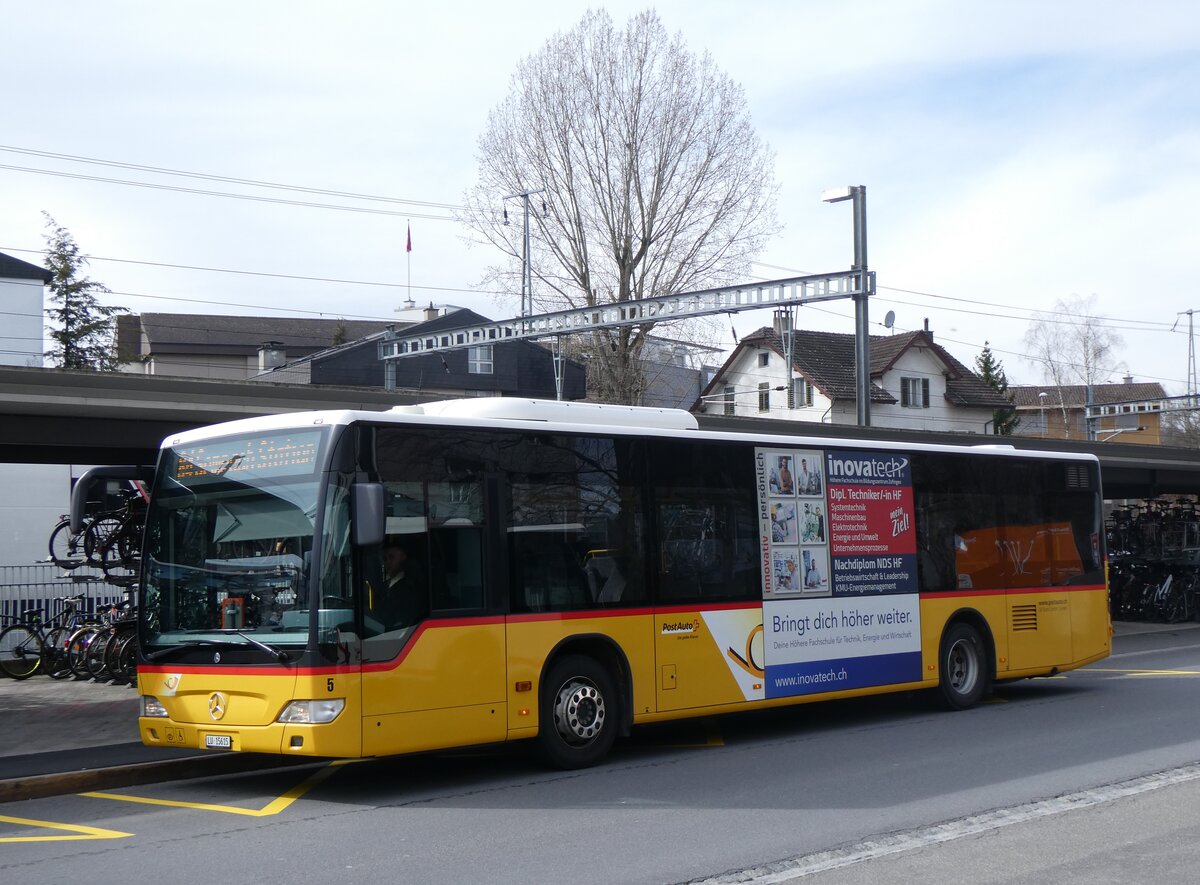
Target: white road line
818, 862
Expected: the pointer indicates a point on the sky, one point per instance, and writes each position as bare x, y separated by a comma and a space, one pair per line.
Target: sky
1014, 154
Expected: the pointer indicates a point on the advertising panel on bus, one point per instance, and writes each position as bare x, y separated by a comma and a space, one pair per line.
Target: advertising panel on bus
840, 603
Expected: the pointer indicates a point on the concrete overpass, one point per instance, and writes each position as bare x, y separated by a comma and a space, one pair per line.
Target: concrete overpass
51, 416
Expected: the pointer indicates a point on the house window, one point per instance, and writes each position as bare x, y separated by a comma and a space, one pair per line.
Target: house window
764, 397
728, 400
914, 393
479, 360
800, 395
764, 358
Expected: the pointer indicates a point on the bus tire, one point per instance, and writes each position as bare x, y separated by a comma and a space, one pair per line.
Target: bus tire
965, 677
579, 714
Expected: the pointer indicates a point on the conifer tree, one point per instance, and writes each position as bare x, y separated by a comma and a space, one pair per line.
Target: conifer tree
80, 326
991, 370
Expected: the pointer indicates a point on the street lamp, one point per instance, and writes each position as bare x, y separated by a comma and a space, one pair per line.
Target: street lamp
1042, 408
1137, 429
862, 345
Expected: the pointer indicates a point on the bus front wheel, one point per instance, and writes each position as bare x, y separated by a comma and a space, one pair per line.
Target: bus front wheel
964, 671
578, 713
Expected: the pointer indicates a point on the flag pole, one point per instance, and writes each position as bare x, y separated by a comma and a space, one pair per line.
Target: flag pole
408, 248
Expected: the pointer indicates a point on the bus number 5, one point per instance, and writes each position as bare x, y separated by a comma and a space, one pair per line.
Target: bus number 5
329, 684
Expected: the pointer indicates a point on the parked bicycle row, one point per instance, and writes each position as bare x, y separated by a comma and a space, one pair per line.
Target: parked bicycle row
70, 643
1144, 589
1159, 528
108, 539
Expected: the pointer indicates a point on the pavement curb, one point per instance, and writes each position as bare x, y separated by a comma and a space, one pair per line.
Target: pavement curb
60, 783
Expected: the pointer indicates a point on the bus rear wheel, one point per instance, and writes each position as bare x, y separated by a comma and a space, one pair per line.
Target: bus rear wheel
965, 677
578, 713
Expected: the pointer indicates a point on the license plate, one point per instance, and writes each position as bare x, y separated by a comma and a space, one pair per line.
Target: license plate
218, 741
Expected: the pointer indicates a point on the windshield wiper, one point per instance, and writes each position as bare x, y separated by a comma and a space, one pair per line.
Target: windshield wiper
279, 655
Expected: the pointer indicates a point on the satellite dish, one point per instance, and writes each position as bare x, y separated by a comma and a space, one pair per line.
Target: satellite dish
889, 319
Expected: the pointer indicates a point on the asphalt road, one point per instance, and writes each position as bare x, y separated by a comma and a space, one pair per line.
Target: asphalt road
1092, 776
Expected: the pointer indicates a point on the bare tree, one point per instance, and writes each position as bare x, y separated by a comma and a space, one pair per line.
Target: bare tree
652, 179
1181, 429
1073, 346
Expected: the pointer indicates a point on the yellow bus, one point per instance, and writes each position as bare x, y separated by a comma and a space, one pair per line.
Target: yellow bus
355, 584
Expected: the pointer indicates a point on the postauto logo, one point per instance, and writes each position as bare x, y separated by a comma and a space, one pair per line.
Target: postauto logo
672, 628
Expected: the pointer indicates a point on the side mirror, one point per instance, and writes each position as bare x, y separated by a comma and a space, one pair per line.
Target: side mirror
369, 517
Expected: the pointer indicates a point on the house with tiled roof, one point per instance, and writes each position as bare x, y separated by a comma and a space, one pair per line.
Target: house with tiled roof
1129, 412
915, 382
503, 368
22, 296
228, 347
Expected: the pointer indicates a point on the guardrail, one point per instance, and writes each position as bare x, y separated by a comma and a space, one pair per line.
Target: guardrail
40, 584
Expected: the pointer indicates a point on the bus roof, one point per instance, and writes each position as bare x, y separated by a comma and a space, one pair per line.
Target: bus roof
544, 415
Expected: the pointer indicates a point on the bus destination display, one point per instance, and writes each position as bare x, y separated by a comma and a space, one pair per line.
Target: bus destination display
289, 454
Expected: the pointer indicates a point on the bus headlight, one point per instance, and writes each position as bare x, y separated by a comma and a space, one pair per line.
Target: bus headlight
312, 712
153, 707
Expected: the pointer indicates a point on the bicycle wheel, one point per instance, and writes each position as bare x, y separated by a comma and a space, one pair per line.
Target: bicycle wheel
54, 653
20, 651
118, 557
97, 536
127, 658
93, 660
77, 650
112, 656
65, 547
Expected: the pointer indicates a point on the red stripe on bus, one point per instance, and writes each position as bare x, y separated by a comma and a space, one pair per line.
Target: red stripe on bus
1011, 591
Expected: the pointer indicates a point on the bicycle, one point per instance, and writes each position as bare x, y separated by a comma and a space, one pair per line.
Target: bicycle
31, 643
112, 540
66, 547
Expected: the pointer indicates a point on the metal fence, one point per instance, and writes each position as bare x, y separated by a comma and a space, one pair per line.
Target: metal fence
41, 586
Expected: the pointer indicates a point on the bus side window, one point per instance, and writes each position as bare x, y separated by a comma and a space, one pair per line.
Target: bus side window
706, 522
574, 523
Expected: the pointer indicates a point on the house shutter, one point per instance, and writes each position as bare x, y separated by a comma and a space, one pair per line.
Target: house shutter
925, 393
904, 385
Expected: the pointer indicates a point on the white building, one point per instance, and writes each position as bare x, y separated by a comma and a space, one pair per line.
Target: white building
34, 494
915, 383
22, 289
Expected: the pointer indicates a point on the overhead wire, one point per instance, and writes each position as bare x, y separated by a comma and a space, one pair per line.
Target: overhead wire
206, 176
1047, 316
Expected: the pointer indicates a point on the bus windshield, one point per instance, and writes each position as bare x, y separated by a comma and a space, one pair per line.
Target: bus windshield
229, 540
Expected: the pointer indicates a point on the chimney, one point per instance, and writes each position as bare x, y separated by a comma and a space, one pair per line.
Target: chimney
271, 355
431, 312
782, 322
1128, 379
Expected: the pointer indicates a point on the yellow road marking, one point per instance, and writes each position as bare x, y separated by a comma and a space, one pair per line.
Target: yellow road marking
80, 832
273, 807
1144, 672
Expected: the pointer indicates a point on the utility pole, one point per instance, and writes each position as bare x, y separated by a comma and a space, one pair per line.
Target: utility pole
1191, 369
526, 264
862, 332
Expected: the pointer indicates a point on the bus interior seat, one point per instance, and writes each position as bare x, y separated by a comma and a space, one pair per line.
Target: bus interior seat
604, 578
